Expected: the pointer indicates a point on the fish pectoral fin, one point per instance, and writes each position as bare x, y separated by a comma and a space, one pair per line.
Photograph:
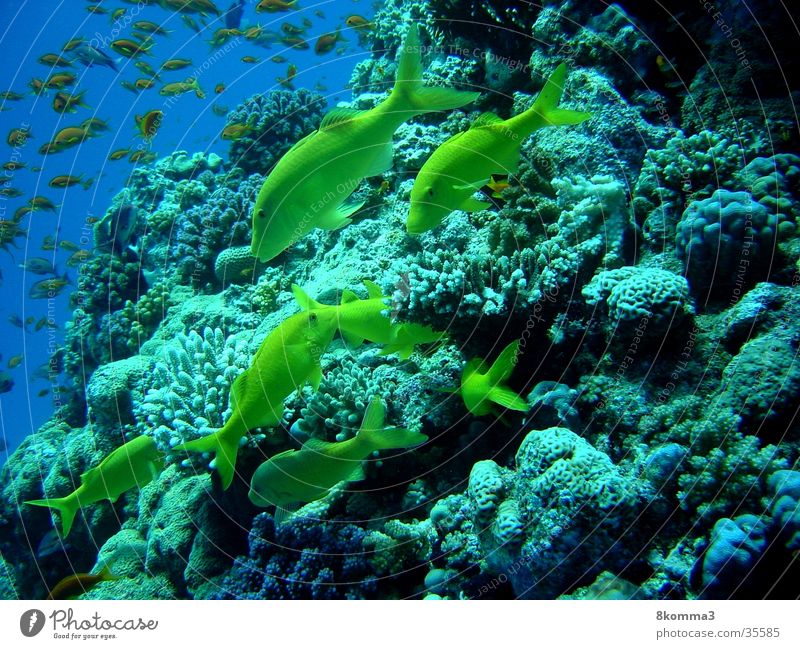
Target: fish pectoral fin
285, 513
382, 162
508, 399
474, 205
339, 116
315, 378
339, 217
352, 340
357, 473
473, 186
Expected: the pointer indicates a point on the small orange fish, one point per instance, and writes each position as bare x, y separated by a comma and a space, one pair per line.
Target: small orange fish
176, 64
18, 136
72, 44
359, 23
295, 42
65, 103
498, 183
65, 181
292, 30
95, 125
54, 60
129, 48
37, 85
14, 361
70, 136
60, 80
252, 33
144, 84
42, 203
79, 583
150, 28
327, 42
219, 88
278, 59
235, 131
149, 123
273, 6
118, 154
249, 59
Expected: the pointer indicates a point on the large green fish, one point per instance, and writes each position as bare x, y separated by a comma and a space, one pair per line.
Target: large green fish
131, 465
287, 359
359, 320
466, 162
309, 186
294, 478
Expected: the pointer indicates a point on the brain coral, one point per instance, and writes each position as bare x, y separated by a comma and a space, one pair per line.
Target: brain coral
723, 240
277, 120
631, 294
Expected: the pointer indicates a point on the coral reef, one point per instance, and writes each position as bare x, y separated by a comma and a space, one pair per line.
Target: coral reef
645, 263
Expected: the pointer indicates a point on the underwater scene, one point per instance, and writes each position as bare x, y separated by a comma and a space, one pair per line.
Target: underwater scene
402, 299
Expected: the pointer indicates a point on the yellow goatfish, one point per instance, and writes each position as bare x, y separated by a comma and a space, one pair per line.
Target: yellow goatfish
308, 187
131, 465
466, 162
287, 359
359, 320
294, 478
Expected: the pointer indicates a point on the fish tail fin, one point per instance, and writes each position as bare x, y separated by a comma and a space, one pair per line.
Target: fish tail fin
304, 300
198, 91
409, 94
66, 506
545, 110
504, 365
225, 449
374, 435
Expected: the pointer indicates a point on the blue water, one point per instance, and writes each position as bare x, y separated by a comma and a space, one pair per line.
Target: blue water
33, 28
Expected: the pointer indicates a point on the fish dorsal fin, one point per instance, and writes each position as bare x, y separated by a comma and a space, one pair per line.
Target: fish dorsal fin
348, 296
339, 116
486, 119
303, 299
302, 141
282, 454
373, 290
317, 445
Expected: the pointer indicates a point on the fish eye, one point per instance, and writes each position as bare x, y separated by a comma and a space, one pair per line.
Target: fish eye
312, 317
430, 191
260, 213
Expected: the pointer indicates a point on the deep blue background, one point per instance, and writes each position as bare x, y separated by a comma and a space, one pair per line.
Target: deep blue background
32, 28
